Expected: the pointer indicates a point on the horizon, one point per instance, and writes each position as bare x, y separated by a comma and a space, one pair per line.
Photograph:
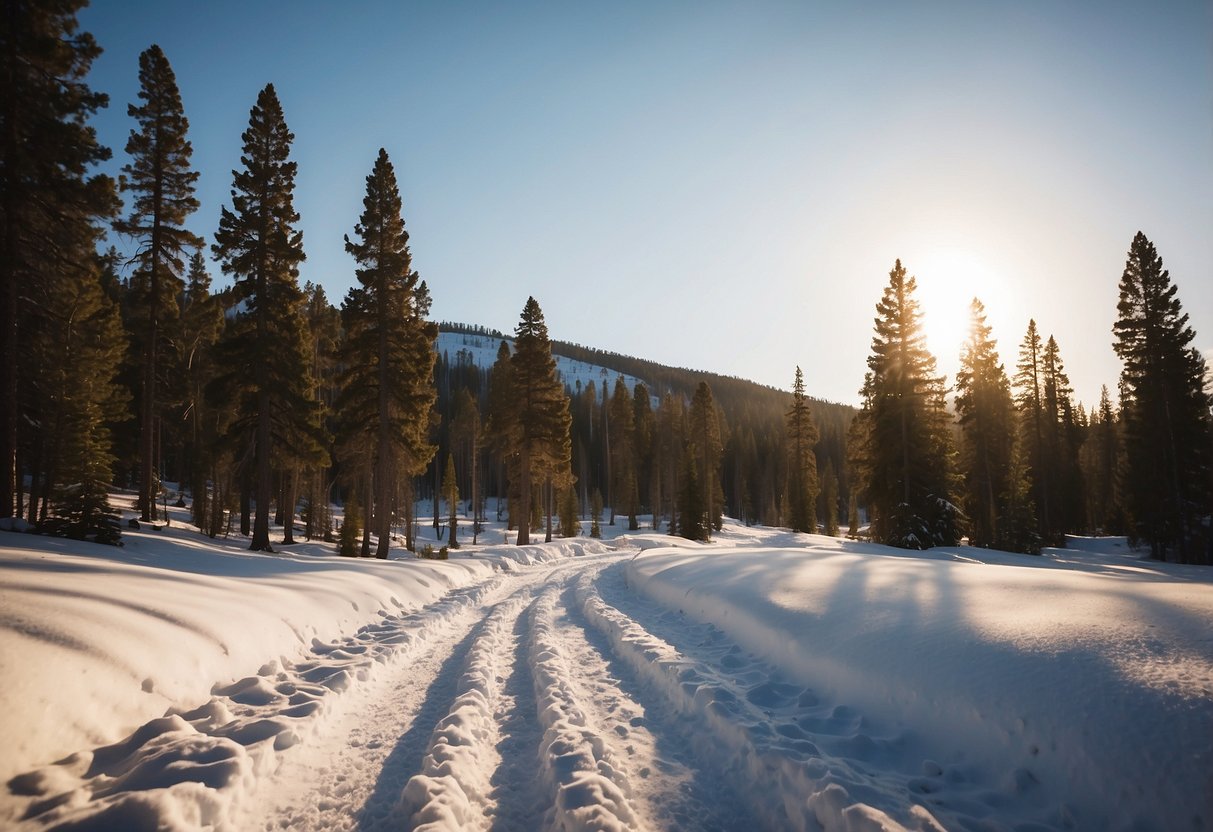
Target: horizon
645, 174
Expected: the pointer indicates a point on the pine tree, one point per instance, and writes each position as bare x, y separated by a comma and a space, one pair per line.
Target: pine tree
987, 429
85, 346
1063, 439
1165, 408
450, 490
671, 439
570, 525
595, 514
623, 452
1029, 399
538, 430
264, 351
499, 425
200, 327
49, 204
387, 388
1017, 526
160, 178
829, 496
1103, 469
904, 450
802, 462
704, 438
643, 427
692, 519
853, 516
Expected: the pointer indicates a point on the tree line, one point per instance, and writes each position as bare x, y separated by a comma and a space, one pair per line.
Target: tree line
265, 399
1018, 464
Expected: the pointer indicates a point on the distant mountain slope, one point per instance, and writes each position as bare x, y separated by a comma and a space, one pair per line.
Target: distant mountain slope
578, 363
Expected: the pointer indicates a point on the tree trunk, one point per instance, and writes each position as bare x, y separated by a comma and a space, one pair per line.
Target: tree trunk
524, 496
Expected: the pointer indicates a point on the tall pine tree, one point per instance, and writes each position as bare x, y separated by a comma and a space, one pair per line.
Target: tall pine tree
623, 452
706, 443
387, 387
987, 429
49, 202
264, 351
1165, 408
904, 447
160, 178
537, 428
802, 461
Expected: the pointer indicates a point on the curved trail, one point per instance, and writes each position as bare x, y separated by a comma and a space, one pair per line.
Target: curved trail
550, 697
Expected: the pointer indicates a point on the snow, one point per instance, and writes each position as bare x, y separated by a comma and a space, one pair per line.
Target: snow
481, 350
1078, 685
766, 679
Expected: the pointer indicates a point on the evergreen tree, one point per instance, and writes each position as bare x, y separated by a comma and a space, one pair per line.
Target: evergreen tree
49, 204
387, 387
1017, 527
1102, 469
853, 516
200, 327
160, 178
905, 452
570, 525
1029, 398
623, 452
802, 462
671, 439
595, 514
450, 490
538, 429
987, 429
85, 346
692, 519
1063, 440
829, 495
323, 327
1165, 408
499, 425
643, 426
704, 438
264, 351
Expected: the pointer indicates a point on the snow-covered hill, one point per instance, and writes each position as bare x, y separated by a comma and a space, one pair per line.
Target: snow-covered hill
481, 350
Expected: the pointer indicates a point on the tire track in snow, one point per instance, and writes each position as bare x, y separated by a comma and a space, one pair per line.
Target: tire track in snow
589, 790
453, 790
673, 787
789, 782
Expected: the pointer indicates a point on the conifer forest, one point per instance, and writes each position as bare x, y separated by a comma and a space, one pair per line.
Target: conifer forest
269, 397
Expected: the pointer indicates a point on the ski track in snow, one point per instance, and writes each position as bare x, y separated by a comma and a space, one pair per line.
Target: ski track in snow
549, 697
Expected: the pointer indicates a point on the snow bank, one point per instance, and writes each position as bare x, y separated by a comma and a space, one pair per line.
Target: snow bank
219, 657
1076, 687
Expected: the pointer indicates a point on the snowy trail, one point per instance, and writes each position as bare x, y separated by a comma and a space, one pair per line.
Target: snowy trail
550, 696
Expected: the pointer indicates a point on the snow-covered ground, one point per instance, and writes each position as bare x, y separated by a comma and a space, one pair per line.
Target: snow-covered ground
766, 680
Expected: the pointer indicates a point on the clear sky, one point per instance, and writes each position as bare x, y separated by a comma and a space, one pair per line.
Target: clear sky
724, 186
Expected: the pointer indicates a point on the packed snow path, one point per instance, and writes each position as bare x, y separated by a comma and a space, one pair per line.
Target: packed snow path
548, 696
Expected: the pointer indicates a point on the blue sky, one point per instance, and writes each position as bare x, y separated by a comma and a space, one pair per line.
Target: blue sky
725, 186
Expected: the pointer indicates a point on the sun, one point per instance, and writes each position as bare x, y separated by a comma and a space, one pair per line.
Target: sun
948, 279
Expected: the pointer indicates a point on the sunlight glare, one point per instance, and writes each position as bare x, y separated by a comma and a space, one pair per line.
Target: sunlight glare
948, 278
